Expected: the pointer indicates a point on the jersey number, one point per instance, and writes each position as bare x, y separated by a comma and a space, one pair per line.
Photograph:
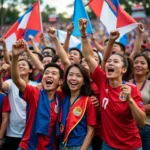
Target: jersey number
105, 102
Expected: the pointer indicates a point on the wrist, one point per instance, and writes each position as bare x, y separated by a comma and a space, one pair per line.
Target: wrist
130, 101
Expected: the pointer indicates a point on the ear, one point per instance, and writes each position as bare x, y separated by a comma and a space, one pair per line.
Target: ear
30, 70
60, 82
124, 70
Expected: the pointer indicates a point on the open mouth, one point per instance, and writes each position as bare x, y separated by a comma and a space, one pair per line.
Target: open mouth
111, 70
49, 82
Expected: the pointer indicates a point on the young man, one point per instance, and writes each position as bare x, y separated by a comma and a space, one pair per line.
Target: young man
43, 105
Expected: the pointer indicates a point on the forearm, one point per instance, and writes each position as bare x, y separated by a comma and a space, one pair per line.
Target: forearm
98, 46
35, 60
137, 46
62, 53
15, 69
66, 43
35, 47
6, 56
147, 108
4, 125
138, 114
88, 139
1, 80
45, 43
148, 42
107, 53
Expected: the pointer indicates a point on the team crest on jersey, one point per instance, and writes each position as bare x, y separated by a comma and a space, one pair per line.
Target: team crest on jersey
56, 109
61, 128
77, 111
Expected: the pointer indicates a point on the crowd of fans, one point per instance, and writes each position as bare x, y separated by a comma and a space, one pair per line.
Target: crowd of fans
56, 98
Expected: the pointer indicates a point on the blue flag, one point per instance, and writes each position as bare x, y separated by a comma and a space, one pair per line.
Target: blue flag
124, 40
80, 12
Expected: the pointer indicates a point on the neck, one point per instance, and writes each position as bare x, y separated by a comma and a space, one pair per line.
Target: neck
139, 79
115, 82
35, 72
50, 94
74, 95
25, 78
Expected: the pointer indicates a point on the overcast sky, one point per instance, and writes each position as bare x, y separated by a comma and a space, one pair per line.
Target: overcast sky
61, 5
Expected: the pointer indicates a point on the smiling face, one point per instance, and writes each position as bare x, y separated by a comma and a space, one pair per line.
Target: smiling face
75, 79
114, 67
51, 79
140, 66
74, 56
24, 68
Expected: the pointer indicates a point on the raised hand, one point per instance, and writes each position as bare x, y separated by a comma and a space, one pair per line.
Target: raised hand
82, 25
42, 36
141, 28
114, 35
3, 42
31, 38
19, 47
70, 28
4, 67
51, 32
92, 37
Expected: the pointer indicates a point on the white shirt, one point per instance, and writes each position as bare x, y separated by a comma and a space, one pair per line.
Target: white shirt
17, 117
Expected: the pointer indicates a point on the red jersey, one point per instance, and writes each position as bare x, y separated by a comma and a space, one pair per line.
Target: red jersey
30, 139
118, 125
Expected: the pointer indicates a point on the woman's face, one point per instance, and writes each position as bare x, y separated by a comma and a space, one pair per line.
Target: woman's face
75, 79
24, 68
140, 66
114, 67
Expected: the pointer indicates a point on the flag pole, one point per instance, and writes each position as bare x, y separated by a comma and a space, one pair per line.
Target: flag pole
88, 3
40, 16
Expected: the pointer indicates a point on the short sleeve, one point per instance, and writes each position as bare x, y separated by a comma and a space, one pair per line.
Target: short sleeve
91, 113
137, 97
30, 94
98, 76
6, 105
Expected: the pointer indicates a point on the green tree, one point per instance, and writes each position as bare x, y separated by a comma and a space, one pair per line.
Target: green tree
47, 11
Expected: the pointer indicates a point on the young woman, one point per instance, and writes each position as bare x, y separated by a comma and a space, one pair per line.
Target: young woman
120, 102
78, 116
141, 69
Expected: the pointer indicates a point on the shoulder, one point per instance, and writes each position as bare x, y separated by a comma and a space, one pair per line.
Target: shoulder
33, 83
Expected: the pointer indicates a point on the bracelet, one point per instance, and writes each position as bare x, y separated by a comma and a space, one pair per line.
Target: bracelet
83, 37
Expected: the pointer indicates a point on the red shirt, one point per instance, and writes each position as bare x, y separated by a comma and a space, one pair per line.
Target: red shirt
31, 96
118, 125
5, 107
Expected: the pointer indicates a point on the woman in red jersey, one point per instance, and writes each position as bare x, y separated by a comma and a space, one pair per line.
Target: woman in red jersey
121, 104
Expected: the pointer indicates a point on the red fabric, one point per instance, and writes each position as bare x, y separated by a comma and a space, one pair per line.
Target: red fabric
6, 105
32, 101
118, 125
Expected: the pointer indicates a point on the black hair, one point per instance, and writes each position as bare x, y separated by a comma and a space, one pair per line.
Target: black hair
53, 50
85, 89
61, 72
118, 43
146, 58
76, 49
99, 58
31, 76
55, 58
146, 50
127, 63
1, 56
39, 55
